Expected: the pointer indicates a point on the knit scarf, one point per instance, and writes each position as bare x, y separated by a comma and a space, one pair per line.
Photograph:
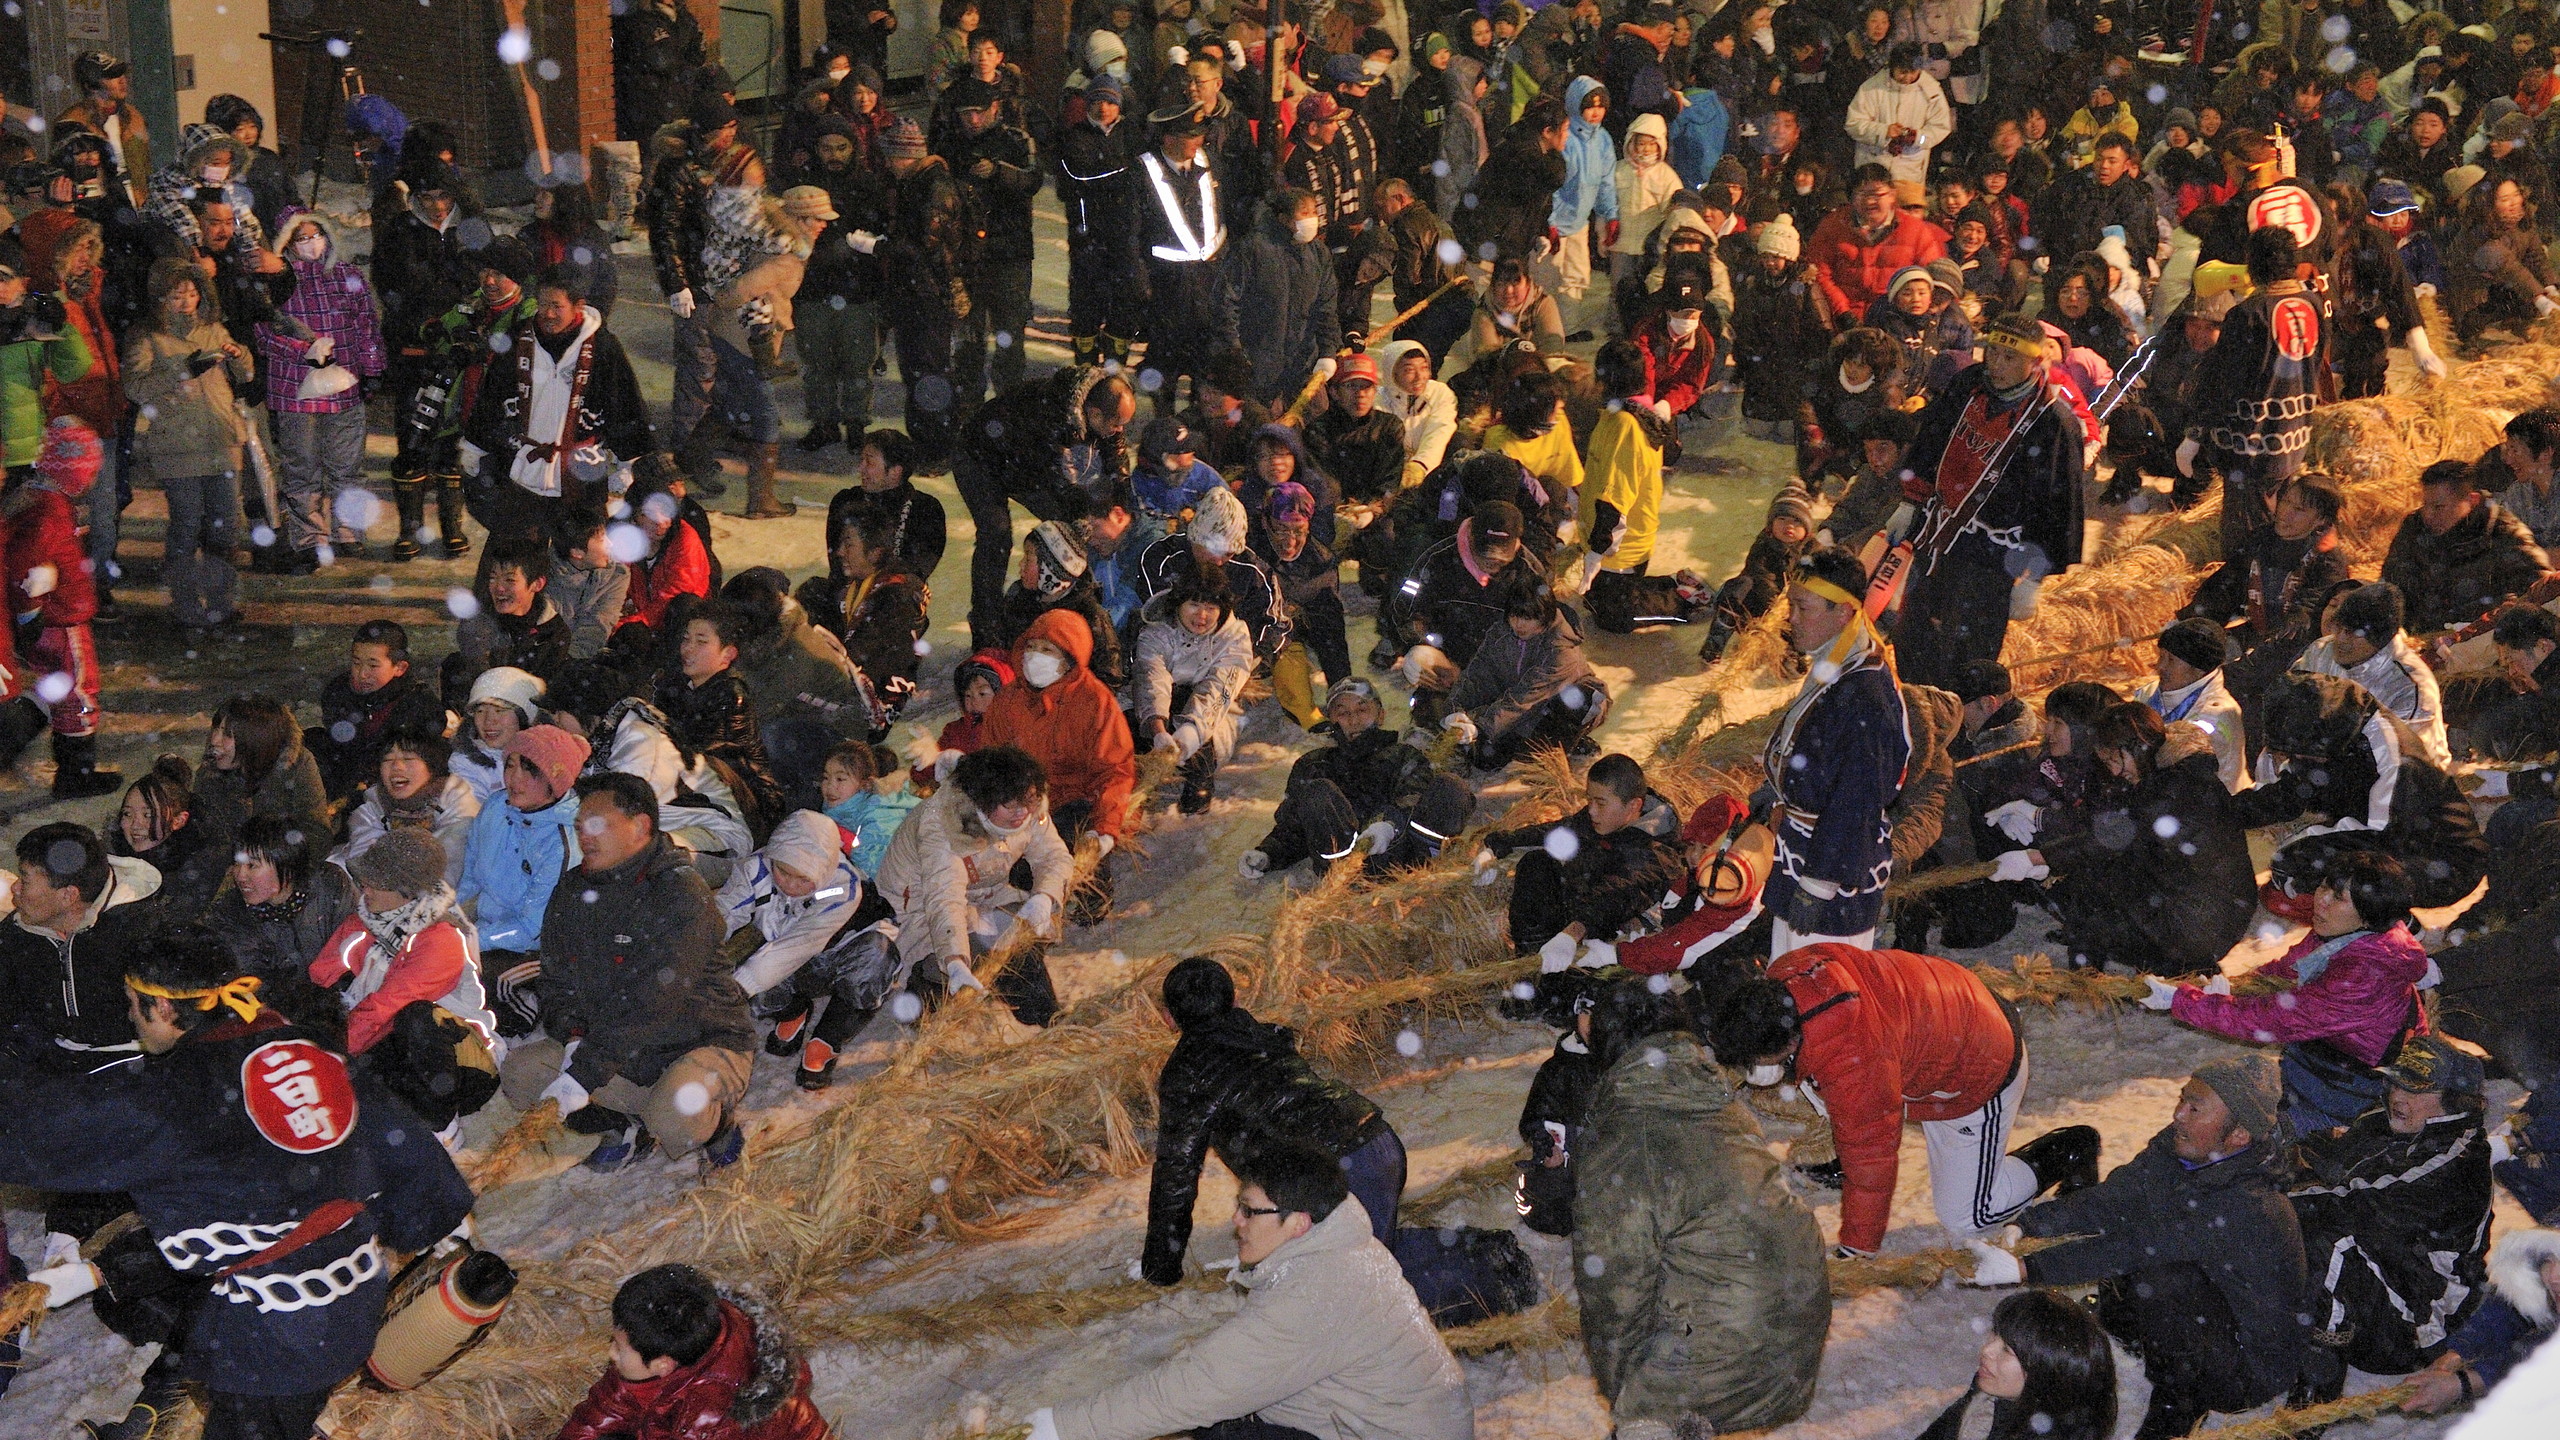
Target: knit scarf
392, 929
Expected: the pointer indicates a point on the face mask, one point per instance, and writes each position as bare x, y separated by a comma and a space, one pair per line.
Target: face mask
837, 77
1764, 1076
1305, 229
1804, 187
1117, 69
311, 248
1681, 326
1042, 671
216, 174
1373, 68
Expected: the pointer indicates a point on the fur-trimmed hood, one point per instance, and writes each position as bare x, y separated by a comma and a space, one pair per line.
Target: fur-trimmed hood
2515, 1272
775, 1376
2185, 740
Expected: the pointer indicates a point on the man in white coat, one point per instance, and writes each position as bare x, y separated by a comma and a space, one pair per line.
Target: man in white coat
2365, 644
1898, 117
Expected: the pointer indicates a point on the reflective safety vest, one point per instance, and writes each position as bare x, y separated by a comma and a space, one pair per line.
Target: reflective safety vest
1193, 247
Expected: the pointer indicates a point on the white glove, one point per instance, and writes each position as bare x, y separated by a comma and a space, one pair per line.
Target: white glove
2218, 985
2016, 865
1591, 563
2188, 450
2160, 994
681, 302
2423, 351
1557, 954
472, 455
1252, 865
944, 762
1044, 1424
1176, 56
2424, 291
1568, 532
957, 976
1036, 913
1463, 725
1164, 741
571, 1095
863, 241
1993, 1266
1541, 248
1662, 411
320, 351
2493, 785
1186, 739
1106, 844
1325, 368
2043, 263
2019, 820
1597, 955
66, 1283
2502, 1147
59, 1249
1487, 871
2543, 305
1380, 836
919, 750
2023, 598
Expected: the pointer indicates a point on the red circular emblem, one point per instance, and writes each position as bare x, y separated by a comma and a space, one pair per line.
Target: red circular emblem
298, 1096
2290, 207
2296, 323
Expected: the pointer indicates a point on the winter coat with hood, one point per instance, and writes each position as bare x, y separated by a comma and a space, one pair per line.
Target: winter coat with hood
1331, 1341
2170, 855
438, 963
1429, 417
421, 270
801, 670
1644, 191
2353, 766
1888, 1036
1285, 291
447, 813
639, 1018
750, 1385
184, 426
1074, 727
1462, 143
511, 863
1590, 189
2357, 992
792, 928
29, 369
2458, 576
1215, 666
2399, 1226
2517, 1318
72, 986
330, 299
1508, 678
947, 866
95, 394
1883, 102
2229, 1219
1701, 1277
174, 184
1231, 1083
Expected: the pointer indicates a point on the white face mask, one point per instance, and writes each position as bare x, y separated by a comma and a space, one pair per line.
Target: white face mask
1306, 228
1373, 68
311, 247
1042, 670
216, 174
1117, 69
1764, 1076
1804, 187
1681, 326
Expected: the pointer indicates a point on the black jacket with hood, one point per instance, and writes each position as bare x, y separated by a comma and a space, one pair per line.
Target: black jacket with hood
2353, 766
631, 962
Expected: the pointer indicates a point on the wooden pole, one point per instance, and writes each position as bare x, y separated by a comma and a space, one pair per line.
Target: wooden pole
514, 13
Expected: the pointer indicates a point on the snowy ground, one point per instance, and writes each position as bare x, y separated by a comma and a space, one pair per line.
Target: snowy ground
1894, 1358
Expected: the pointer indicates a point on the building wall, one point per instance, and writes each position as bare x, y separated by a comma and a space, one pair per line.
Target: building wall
221, 36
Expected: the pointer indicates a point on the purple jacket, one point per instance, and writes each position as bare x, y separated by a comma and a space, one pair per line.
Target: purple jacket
330, 298
2359, 1003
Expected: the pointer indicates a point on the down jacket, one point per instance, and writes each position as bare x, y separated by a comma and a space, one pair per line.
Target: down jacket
1214, 665
2396, 1228
1073, 728
1853, 270
1701, 1278
2359, 1000
2353, 766
946, 865
749, 1385
1229, 1080
1330, 1341
439, 965
637, 1021
1888, 1036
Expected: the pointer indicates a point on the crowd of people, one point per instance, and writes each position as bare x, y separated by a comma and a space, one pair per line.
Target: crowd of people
1990, 278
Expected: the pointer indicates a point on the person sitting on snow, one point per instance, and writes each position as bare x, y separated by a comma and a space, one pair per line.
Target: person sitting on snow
2396, 1208
690, 1359
1363, 785
2188, 686
2522, 1312
1590, 875
976, 863
1193, 659
1528, 686
2195, 1250
799, 897
2365, 643
1551, 1120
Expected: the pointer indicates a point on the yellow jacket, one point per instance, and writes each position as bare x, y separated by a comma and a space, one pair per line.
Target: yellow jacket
1625, 473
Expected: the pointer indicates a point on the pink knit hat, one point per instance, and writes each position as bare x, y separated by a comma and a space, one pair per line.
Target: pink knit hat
555, 754
68, 464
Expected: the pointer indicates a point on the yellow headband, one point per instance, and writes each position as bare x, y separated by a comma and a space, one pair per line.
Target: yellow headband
1827, 590
241, 995
2032, 348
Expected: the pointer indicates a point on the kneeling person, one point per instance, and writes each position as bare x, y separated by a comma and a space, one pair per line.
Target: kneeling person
1363, 785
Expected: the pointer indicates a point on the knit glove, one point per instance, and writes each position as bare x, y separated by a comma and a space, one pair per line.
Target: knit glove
2019, 820
2188, 450
1556, 956
2024, 596
2016, 865
1253, 865
957, 976
1597, 955
1380, 836
66, 1283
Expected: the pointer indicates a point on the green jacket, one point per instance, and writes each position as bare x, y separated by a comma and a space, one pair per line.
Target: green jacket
467, 328
1702, 1279
23, 367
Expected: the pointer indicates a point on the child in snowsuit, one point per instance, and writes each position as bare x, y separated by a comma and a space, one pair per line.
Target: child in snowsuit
1785, 538
53, 591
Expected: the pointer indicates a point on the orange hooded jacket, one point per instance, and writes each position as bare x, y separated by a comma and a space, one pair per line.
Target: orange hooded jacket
1074, 728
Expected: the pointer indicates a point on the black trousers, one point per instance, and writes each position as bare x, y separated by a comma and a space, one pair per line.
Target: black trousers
1557, 722
2190, 1346
923, 329
1317, 821
1548, 894
262, 1417
991, 501
420, 1060
1621, 600
1952, 616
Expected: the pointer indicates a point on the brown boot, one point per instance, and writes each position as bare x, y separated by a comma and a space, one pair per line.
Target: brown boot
762, 503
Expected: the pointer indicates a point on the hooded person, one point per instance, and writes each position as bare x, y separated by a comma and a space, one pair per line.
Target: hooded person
1589, 195
406, 966
208, 159
52, 593
321, 352
2189, 687
1062, 715
1429, 410
1057, 575
517, 852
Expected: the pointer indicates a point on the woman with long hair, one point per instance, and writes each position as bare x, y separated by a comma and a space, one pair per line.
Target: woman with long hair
256, 764
567, 229
2499, 266
2045, 1373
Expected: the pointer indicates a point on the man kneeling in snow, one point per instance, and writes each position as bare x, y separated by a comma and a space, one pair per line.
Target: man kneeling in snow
1330, 1344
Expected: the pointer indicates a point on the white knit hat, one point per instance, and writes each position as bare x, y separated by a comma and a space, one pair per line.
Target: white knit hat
520, 688
1779, 238
1218, 523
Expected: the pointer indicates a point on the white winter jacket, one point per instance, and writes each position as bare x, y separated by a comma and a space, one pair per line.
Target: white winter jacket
456, 807
2209, 705
1330, 1341
1214, 665
1881, 104
2397, 678
793, 929
948, 876
1430, 417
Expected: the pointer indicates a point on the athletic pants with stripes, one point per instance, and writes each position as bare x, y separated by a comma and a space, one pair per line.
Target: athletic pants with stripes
1974, 1181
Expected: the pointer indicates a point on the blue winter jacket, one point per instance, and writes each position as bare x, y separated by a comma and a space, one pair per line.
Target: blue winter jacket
509, 866
873, 819
1698, 137
1590, 189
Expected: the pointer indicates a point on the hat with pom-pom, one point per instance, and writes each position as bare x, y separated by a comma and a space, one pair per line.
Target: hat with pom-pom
1779, 238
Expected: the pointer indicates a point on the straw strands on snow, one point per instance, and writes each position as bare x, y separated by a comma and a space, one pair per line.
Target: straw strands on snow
2310, 1419
533, 1130
2036, 980
23, 1305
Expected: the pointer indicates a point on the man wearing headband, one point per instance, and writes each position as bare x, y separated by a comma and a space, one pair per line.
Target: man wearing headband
1835, 764
2001, 509
260, 1163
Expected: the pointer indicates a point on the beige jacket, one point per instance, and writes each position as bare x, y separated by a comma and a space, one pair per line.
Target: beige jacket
946, 868
1330, 1341
183, 427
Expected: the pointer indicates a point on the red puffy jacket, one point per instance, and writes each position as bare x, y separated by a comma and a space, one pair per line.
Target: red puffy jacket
1852, 272
1890, 1036
745, 1387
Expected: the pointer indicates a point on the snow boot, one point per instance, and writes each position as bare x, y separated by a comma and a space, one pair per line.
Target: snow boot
155, 1412
698, 455
2064, 1160
409, 497
821, 435
21, 721
621, 1149
76, 775
762, 502
817, 1066
787, 1029
726, 1145
450, 512
1199, 782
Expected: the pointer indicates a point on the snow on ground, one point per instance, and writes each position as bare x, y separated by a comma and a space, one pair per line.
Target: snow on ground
1894, 1359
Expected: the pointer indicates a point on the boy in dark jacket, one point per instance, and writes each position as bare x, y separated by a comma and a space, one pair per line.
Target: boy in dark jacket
1310, 581
1528, 686
1551, 1120
360, 710
1621, 856
1363, 786
1233, 1082
1785, 537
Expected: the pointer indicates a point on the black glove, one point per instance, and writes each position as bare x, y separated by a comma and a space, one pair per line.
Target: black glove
200, 361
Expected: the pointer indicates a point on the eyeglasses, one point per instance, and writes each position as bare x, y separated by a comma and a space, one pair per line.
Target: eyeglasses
1247, 1212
